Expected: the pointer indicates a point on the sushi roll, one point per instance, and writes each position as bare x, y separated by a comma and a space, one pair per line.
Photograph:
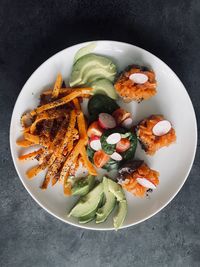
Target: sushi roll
154, 133
136, 83
137, 178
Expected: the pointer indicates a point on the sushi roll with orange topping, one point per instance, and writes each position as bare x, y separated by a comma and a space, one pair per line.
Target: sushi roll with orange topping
136, 83
154, 133
137, 178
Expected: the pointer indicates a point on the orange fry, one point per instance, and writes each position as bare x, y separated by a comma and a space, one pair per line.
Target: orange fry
31, 155
60, 101
67, 187
32, 138
69, 133
35, 170
87, 163
82, 127
66, 90
24, 143
57, 86
70, 159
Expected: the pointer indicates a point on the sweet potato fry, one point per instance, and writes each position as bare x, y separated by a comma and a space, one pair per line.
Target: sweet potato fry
66, 90
57, 86
31, 155
67, 187
24, 143
87, 162
36, 170
69, 133
32, 138
70, 159
82, 127
60, 101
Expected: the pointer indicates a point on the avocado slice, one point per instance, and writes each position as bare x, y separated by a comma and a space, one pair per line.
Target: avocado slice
85, 50
88, 203
109, 205
90, 67
91, 216
87, 218
104, 86
97, 73
82, 186
117, 190
121, 214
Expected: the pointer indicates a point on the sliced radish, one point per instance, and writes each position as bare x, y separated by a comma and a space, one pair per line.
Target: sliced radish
116, 156
106, 121
146, 183
139, 78
128, 123
113, 139
162, 128
95, 143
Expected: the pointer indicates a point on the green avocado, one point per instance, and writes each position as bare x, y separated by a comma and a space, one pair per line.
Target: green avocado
104, 86
91, 67
121, 214
84, 51
117, 190
82, 186
89, 217
110, 201
88, 203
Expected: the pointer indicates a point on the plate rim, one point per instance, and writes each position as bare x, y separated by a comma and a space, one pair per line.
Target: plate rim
104, 228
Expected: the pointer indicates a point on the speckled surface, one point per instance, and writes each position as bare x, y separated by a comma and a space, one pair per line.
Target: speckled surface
32, 31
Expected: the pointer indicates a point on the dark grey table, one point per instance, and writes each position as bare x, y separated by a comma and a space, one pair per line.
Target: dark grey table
32, 31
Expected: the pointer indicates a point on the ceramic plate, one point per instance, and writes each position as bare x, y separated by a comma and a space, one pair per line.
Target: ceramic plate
172, 100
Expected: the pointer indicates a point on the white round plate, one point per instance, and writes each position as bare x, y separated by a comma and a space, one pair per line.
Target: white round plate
172, 100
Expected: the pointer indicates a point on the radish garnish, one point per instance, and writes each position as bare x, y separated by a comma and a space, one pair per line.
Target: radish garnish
95, 143
162, 128
116, 156
113, 139
128, 123
106, 121
138, 78
146, 183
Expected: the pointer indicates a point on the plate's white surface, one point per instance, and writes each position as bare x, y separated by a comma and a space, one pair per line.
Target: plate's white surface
172, 100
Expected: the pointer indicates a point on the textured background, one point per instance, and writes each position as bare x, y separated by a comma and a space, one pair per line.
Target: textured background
32, 31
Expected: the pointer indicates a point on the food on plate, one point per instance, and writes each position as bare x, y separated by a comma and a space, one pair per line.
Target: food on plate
154, 133
106, 121
100, 202
104, 87
58, 126
84, 51
63, 139
136, 83
95, 71
92, 67
136, 177
104, 211
115, 145
83, 185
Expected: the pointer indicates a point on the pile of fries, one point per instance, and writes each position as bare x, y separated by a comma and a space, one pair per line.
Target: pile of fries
58, 126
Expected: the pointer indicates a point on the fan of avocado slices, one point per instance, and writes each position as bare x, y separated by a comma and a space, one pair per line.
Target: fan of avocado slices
100, 201
95, 71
